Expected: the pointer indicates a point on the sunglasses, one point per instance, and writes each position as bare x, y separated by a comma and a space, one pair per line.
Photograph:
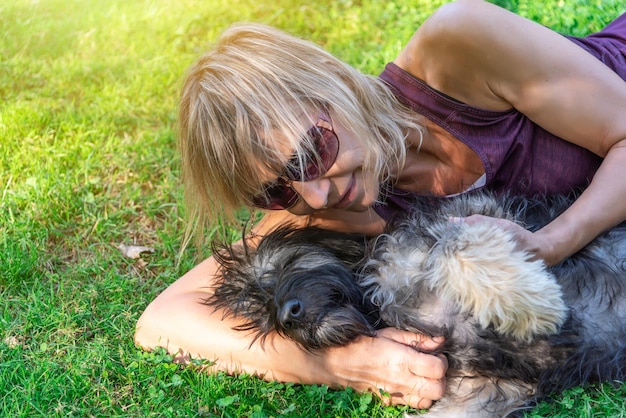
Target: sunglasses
279, 194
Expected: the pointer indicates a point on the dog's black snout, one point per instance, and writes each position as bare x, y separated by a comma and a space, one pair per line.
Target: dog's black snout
290, 312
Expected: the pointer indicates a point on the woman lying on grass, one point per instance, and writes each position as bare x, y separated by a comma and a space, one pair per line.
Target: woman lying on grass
478, 98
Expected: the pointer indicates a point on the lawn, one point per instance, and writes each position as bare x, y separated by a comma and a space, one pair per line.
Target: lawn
88, 161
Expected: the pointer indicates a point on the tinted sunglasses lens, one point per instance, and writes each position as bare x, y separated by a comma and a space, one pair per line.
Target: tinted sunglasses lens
326, 148
278, 195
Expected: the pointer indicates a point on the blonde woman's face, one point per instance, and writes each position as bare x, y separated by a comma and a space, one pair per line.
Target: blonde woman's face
345, 185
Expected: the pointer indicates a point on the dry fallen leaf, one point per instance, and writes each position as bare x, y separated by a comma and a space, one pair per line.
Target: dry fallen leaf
12, 341
134, 251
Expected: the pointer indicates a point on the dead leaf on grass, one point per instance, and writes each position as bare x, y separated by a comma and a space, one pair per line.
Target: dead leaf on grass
12, 341
134, 251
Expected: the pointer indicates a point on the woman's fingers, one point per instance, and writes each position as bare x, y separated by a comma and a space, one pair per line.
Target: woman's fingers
419, 380
412, 339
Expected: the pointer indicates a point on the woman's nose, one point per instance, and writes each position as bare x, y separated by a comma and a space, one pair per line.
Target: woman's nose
313, 192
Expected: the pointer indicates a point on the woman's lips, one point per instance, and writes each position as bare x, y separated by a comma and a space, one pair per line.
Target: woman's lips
346, 199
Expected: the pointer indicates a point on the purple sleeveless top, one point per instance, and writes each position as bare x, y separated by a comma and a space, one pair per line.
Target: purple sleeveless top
518, 156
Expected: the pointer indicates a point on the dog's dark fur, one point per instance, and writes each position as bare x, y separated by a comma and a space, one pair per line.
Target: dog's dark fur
515, 331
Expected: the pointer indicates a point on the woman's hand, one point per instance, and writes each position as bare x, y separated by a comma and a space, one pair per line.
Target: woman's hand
391, 366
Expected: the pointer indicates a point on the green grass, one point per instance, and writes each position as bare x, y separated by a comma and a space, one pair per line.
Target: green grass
88, 161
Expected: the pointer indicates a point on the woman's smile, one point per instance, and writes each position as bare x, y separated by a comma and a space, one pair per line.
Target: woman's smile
348, 197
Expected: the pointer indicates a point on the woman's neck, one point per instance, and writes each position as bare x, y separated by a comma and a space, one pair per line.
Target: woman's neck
437, 163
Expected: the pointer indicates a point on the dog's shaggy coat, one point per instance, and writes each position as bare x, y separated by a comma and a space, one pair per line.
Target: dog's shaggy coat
514, 330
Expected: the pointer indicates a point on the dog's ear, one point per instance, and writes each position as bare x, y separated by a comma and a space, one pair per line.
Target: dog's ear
238, 290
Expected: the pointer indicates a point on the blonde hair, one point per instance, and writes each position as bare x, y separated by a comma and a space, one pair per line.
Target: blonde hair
241, 100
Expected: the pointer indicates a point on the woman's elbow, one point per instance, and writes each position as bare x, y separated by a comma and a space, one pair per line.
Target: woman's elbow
150, 330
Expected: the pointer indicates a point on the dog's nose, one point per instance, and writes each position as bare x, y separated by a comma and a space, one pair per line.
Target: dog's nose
290, 312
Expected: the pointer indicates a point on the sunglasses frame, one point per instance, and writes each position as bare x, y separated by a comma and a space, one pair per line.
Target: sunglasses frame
278, 194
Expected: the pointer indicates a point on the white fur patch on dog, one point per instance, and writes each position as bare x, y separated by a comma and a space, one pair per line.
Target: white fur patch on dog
479, 268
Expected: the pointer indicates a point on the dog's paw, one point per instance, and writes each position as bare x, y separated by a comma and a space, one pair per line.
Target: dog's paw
479, 268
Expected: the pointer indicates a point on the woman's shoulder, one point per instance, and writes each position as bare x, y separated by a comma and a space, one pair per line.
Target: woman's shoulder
463, 20
463, 44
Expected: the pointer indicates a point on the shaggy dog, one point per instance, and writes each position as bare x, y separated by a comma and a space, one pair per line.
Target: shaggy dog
514, 330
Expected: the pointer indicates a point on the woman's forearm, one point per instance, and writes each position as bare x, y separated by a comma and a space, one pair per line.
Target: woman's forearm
601, 206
